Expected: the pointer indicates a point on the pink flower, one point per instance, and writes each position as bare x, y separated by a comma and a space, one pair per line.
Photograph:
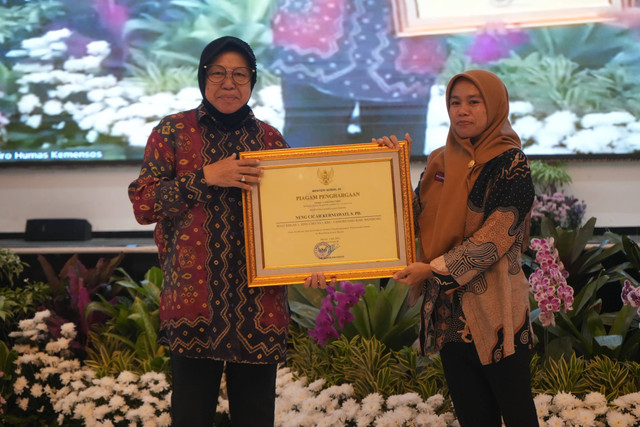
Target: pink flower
547, 318
549, 282
630, 295
493, 45
421, 55
325, 323
551, 304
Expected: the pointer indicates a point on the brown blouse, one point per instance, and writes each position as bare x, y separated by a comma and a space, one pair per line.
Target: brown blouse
479, 292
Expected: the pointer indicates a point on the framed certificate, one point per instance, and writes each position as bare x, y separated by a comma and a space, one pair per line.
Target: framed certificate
345, 210
420, 17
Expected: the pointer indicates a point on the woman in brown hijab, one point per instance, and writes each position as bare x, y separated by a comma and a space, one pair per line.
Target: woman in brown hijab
472, 205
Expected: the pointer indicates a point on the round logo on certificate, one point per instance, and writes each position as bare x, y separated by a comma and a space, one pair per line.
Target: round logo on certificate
322, 250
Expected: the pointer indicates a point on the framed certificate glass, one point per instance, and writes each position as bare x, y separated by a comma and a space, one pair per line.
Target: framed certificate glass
345, 210
427, 17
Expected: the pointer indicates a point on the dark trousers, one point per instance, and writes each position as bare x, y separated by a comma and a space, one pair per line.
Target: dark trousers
251, 389
482, 394
313, 118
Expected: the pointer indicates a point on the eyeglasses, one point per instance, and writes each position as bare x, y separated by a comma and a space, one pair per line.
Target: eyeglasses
217, 73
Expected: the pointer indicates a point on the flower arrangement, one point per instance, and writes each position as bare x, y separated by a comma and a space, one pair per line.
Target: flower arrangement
566, 409
564, 211
334, 311
549, 281
302, 404
631, 295
52, 385
54, 388
125, 400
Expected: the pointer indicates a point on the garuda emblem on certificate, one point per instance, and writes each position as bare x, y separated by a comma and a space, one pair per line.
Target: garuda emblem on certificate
325, 176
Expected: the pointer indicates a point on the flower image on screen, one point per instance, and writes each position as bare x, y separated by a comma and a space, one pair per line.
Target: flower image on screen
87, 81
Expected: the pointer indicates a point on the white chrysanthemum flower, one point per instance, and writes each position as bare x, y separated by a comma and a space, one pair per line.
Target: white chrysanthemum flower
127, 377
147, 413
618, 419
34, 44
561, 123
527, 127
129, 390
596, 402
92, 136
164, 420
85, 410
23, 403
628, 400
17, 53
26, 105
54, 347
25, 359
19, 385
604, 119
65, 91
32, 121
565, 401
98, 393
435, 401
25, 324
405, 412
41, 316
555, 421
568, 414
101, 411
99, 48
86, 63
397, 400
308, 406
68, 330
391, 419
116, 402
37, 390
102, 82
106, 382
73, 366
596, 140
38, 79
583, 417
115, 102
364, 420
350, 409
317, 385
372, 403
57, 48
96, 95
23, 348
77, 385
431, 420
56, 35
520, 108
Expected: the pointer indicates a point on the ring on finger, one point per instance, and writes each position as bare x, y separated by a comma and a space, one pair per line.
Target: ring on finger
243, 179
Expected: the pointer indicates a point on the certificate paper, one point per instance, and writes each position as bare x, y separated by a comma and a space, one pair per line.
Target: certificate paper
343, 210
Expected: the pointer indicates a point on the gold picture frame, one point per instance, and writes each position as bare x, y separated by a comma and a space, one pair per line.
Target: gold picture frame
345, 210
430, 17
